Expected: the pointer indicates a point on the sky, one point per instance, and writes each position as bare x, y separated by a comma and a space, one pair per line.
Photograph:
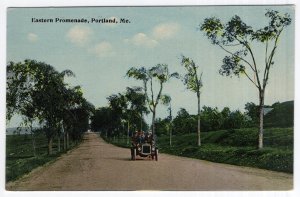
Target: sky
100, 54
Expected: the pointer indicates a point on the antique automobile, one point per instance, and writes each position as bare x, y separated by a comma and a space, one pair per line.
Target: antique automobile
143, 145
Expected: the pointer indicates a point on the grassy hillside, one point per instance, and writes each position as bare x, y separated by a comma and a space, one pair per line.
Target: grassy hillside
282, 115
236, 147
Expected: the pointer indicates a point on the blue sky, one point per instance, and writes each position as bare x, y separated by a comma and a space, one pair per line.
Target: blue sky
100, 54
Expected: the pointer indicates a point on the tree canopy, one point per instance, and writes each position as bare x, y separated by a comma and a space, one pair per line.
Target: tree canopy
37, 92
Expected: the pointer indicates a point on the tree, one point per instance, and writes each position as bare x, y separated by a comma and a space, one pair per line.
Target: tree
159, 73
101, 120
193, 82
118, 105
236, 39
50, 98
19, 96
162, 126
252, 111
36, 91
82, 114
136, 107
184, 122
137, 102
211, 119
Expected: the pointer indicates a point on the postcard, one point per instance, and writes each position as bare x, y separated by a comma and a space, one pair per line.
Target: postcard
159, 98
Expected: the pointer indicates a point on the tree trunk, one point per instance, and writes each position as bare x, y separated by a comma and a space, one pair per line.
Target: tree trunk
33, 141
199, 137
50, 140
127, 133
58, 142
261, 119
141, 121
64, 135
153, 122
170, 128
65, 143
68, 145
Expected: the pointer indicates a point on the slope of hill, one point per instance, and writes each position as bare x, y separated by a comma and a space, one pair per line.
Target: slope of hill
282, 115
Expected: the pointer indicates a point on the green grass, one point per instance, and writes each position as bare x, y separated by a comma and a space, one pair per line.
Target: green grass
20, 158
237, 147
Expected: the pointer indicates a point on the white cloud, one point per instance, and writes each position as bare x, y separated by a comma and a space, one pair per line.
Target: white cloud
162, 31
102, 49
142, 39
165, 30
79, 35
32, 37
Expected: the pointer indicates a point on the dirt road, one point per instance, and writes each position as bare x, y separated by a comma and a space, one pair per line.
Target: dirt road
96, 165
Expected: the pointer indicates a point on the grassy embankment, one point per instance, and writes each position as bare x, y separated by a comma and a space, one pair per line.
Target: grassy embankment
20, 158
237, 147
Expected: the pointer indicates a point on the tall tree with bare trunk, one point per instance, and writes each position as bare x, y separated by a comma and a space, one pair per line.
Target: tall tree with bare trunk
193, 82
237, 39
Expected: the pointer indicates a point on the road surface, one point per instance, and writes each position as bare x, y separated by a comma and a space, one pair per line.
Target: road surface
97, 165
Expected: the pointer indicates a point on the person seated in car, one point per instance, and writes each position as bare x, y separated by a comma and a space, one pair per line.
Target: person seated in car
134, 138
140, 137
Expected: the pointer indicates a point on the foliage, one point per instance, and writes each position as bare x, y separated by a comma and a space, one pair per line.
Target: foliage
191, 79
118, 106
127, 108
162, 126
101, 119
211, 120
160, 74
281, 114
37, 92
136, 102
252, 111
184, 122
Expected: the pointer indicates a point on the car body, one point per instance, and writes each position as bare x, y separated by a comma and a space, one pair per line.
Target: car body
143, 146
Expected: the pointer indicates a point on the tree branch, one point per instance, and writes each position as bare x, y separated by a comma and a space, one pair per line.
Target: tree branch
236, 56
251, 79
255, 67
146, 94
269, 63
159, 93
266, 59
